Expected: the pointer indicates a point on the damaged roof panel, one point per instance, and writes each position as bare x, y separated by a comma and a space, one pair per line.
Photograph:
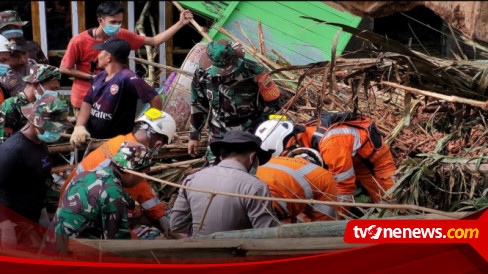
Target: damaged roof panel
297, 39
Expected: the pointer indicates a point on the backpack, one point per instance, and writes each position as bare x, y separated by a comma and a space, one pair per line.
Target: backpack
328, 120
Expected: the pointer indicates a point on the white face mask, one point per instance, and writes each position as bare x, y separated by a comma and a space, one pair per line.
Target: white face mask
50, 92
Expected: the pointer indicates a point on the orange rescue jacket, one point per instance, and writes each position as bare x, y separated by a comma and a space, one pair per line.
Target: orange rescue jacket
295, 178
140, 192
341, 146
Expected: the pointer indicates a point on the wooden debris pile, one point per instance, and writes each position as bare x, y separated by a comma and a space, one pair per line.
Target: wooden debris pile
432, 112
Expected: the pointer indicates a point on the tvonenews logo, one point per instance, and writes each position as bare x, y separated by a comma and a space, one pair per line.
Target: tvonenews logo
375, 232
471, 231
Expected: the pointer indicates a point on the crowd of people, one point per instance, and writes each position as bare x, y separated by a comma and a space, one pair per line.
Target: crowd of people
250, 153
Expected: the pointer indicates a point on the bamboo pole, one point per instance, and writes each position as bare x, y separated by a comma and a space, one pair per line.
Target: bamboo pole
193, 22
261, 40
139, 60
299, 201
174, 165
449, 98
255, 53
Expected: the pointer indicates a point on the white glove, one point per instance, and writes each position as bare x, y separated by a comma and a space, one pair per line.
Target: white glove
79, 136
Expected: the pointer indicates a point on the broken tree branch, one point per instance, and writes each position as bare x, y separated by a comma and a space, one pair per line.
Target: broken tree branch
449, 98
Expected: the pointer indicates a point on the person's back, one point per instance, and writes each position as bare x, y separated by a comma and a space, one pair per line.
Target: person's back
241, 155
93, 206
296, 178
225, 212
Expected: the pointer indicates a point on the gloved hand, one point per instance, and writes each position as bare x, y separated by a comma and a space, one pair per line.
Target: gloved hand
79, 136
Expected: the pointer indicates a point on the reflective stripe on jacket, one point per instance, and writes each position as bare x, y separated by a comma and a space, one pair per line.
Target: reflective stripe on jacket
99, 158
295, 178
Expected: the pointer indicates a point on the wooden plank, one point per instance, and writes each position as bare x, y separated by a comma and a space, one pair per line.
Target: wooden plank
280, 17
169, 43
126, 14
212, 10
319, 10
229, 10
216, 248
36, 28
81, 16
293, 48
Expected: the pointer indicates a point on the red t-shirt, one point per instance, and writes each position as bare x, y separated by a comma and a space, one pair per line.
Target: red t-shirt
80, 52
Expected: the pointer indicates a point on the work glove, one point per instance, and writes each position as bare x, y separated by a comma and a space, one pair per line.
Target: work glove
79, 136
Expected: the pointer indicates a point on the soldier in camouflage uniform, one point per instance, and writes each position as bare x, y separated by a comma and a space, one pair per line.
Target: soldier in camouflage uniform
11, 25
25, 164
41, 79
225, 87
20, 65
95, 204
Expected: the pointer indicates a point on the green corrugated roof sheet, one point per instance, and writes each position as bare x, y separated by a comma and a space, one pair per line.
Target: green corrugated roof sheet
299, 40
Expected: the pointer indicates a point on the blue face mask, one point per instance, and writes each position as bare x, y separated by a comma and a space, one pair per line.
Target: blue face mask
253, 169
48, 136
4, 69
19, 32
50, 92
111, 29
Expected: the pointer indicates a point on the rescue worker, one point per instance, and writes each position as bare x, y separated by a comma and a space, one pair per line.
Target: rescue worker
241, 154
153, 129
11, 24
348, 153
95, 204
40, 80
4, 65
300, 176
109, 107
19, 66
236, 92
25, 161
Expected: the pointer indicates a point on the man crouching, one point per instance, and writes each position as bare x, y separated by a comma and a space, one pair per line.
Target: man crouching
95, 204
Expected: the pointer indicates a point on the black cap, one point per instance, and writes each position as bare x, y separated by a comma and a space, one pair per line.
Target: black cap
119, 48
240, 137
17, 43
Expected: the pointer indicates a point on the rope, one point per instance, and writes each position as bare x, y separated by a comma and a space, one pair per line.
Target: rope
300, 201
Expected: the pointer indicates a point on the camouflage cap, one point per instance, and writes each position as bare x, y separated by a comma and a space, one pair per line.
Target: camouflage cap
10, 17
222, 57
41, 73
132, 155
48, 113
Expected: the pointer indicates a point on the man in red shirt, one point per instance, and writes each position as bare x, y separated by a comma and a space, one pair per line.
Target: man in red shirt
80, 59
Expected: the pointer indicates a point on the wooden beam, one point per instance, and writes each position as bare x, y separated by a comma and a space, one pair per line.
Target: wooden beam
81, 16
169, 42
126, 14
36, 28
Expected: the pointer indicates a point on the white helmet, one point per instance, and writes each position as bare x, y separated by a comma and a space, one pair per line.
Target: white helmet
4, 44
309, 154
274, 133
161, 122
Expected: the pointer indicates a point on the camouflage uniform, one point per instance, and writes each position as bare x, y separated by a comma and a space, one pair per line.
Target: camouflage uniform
12, 83
214, 89
95, 203
11, 119
10, 17
48, 113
